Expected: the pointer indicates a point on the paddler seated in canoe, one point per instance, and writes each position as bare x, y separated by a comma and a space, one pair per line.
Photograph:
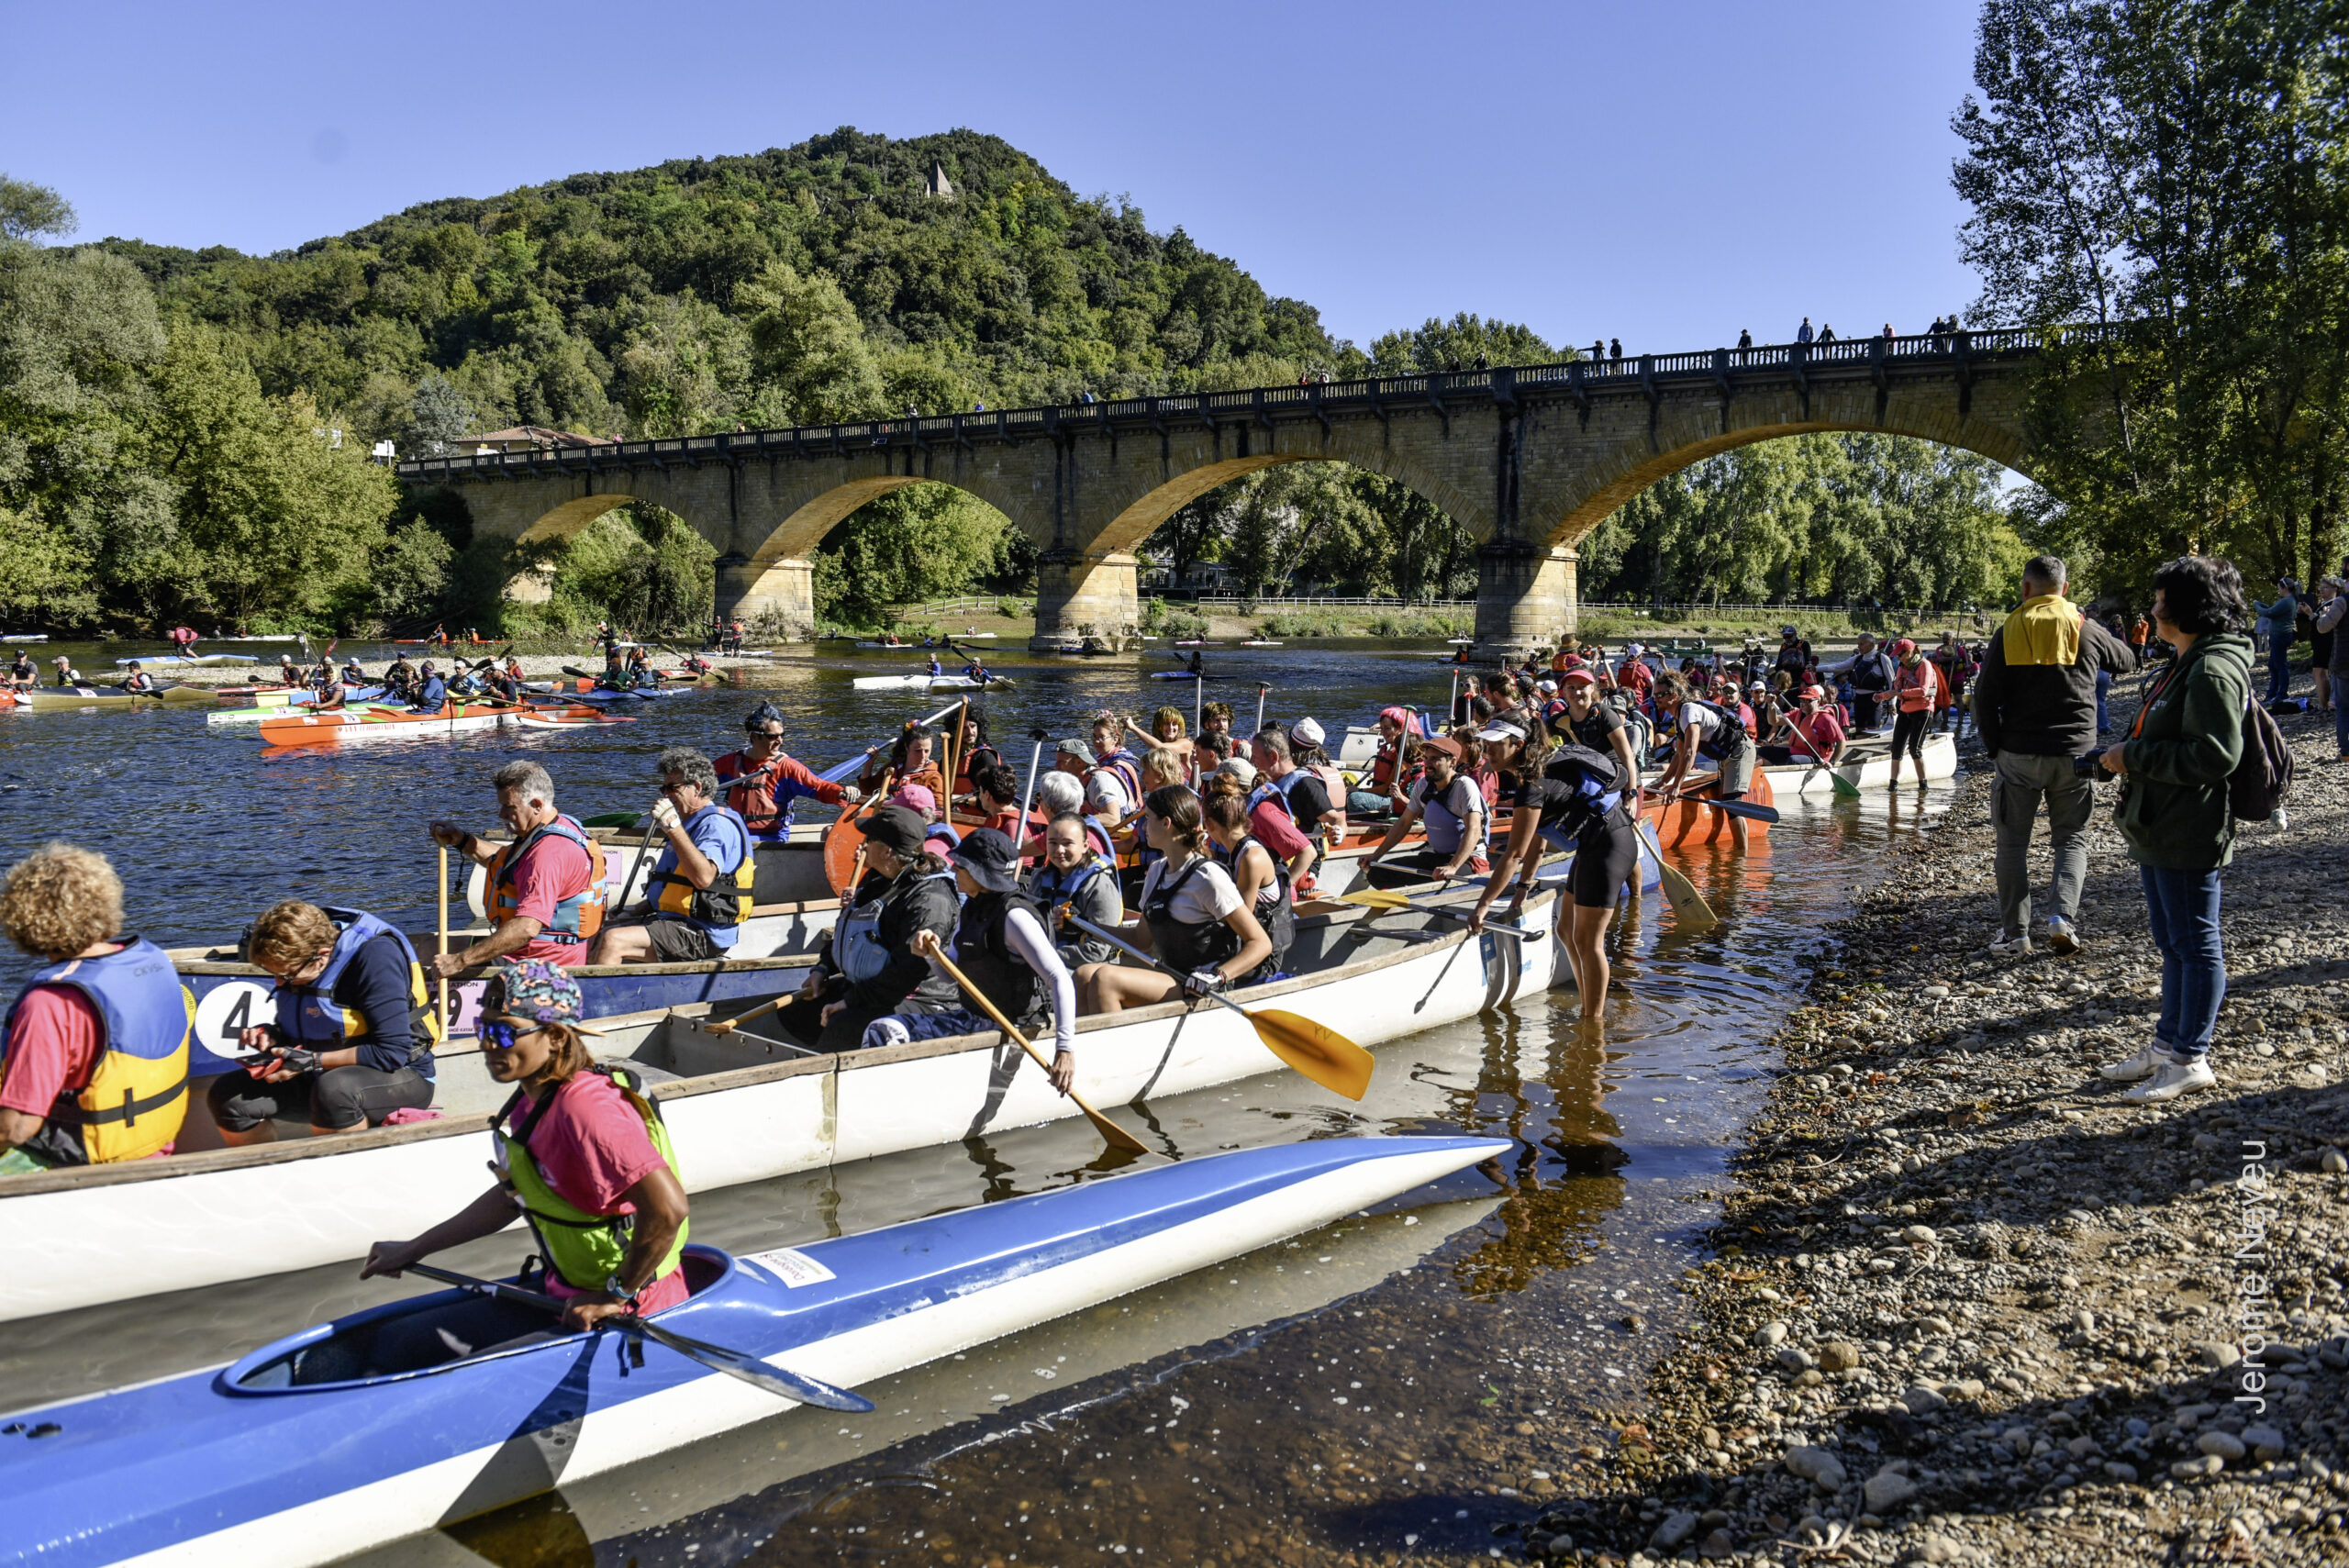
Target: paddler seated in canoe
545, 889
1166, 731
68, 676
1392, 770
1283, 786
975, 752
937, 670
328, 684
1060, 793
1216, 719
399, 681
1811, 733
1195, 667
352, 675
615, 678
431, 691
289, 673
583, 1156
908, 763
137, 679
995, 792
1707, 729
94, 1058
868, 967
1458, 824
1193, 918
22, 672
698, 892
641, 676
1261, 876
763, 781
354, 1033
1568, 798
1002, 948
1077, 878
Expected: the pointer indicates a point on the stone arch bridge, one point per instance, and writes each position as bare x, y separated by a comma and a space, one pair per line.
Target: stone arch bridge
1528, 459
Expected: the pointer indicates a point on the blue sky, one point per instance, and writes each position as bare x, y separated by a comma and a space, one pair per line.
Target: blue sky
1665, 173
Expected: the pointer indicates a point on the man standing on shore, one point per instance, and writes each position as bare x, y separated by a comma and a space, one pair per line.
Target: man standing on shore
2034, 706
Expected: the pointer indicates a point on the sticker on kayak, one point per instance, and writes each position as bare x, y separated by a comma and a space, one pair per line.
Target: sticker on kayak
792, 1267
226, 1011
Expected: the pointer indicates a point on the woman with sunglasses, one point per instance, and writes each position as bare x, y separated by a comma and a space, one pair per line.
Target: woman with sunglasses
581, 1156
1193, 917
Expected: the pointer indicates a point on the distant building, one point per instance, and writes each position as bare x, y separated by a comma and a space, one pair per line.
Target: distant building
524, 439
937, 185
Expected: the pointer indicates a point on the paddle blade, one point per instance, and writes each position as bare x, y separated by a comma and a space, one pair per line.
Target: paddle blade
1378, 899
1318, 1052
1843, 786
1688, 906
780, 1381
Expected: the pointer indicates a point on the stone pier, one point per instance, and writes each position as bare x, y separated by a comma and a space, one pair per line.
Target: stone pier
1079, 599
1525, 598
780, 596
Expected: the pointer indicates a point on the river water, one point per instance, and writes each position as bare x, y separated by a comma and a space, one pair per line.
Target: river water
1411, 1381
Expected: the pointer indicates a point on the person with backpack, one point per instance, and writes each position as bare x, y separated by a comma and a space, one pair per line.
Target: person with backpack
2179, 804
1569, 797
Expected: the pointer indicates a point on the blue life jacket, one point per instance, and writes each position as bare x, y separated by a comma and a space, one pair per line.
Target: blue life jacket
857, 949
136, 1095
310, 1017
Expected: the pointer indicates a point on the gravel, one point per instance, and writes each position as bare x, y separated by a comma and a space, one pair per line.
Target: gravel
1966, 1306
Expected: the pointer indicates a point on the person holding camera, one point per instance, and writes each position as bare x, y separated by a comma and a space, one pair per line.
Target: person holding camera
354, 1033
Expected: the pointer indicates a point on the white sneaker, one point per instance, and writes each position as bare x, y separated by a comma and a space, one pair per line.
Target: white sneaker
2173, 1079
2149, 1060
2061, 936
2011, 947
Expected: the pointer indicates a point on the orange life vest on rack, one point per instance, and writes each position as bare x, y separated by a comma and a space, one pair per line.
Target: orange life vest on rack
577, 915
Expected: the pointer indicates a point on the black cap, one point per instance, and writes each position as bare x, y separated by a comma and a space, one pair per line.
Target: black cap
899, 828
986, 853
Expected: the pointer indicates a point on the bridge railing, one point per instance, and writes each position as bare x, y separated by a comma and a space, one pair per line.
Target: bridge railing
1500, 382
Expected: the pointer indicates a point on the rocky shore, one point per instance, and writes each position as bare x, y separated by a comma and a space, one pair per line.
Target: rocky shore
1965, 1304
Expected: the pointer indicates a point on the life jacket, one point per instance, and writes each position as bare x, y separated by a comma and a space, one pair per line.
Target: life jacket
576, 917
1433, 810
751, 793
1189, 946
984, 952
588, 1250
1597, 778
1050, 894
136, 1095
1728, 739
715, 907
1868, 676
857, 949
1121, 765
311, 1018
1276, 907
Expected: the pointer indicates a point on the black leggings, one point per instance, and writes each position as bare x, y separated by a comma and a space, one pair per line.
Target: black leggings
337, 1098
1908, 733
1606, 856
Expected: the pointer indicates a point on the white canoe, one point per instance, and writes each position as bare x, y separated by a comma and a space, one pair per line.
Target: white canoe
740, 1106
1866, 763
380, 722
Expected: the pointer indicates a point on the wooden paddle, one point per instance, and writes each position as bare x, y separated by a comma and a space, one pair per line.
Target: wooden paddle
728, 1025
1688, 906
1116, 1137
1318, 1052
1387, 900
780, 1381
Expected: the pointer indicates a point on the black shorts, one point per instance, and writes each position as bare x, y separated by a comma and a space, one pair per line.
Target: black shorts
677, 941
1605, 858
338, 1097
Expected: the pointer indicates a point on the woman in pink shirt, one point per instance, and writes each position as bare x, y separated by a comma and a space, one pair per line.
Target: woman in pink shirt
578, 1143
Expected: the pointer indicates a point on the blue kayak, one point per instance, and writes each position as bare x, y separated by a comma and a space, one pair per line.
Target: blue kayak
305, 1453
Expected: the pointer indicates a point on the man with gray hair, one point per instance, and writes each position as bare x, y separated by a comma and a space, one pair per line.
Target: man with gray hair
545, 893
699, 890
2034, 706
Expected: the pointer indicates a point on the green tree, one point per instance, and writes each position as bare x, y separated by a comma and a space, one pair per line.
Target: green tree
27, 210
923, 542
807, 351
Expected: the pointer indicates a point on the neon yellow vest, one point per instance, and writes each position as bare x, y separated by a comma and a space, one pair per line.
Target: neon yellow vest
586, 1250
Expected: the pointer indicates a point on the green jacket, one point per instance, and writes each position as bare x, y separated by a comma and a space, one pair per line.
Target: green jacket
2174, 809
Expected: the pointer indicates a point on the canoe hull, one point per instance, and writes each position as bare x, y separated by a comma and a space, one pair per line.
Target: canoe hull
1686, 825
283, 1477
749, 1109
1868, 772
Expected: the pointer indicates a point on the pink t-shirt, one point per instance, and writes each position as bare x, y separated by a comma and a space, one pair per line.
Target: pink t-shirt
592, 1147
53, 1048
553, 870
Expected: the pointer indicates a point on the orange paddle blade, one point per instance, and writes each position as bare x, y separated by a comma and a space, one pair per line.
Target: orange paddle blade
842, 840
1318, 1052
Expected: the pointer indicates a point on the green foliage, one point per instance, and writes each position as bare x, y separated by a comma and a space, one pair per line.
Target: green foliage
1160, 620
1344, 529
27, 209
641, 567
916, 543
2179, 163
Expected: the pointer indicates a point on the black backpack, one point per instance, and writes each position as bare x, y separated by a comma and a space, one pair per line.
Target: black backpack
2262, 781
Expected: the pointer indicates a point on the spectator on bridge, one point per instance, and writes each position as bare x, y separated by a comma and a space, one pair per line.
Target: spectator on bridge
1888, 331
1614, 348
1745, 337
1803, 334
1826, 334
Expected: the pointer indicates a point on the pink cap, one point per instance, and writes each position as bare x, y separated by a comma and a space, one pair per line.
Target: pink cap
916, 796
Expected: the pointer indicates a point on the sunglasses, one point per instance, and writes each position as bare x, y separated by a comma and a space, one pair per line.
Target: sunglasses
497, 1034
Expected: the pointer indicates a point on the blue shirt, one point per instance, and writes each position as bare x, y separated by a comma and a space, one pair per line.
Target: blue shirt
719, 835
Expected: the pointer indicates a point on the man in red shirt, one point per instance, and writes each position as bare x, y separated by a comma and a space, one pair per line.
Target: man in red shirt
1813, 732
93, 1056
762, 780
546, 890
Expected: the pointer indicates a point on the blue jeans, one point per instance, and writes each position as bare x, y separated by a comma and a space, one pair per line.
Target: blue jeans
2103, 714
2182, 907
2279, 666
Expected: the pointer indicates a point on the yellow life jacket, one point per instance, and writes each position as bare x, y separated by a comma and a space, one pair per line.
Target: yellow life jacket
717, 906
137, 1097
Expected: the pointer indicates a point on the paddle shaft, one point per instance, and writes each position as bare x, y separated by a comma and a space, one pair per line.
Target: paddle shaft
1117, 1137
728, 1025
1397, 902
1035, 761
444, 934
1260, 690
628, 884
1159, 965
1836, 780
1733, 808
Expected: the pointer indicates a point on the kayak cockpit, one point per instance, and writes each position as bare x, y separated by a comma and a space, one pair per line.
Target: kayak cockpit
422, 1336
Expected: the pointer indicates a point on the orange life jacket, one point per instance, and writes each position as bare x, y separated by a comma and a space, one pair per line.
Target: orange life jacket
578, 915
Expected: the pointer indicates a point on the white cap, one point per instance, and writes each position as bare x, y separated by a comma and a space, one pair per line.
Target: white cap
1239, 768
1501, 730
1306, 731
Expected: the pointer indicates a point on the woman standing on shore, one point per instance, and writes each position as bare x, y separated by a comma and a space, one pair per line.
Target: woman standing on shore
2174, 814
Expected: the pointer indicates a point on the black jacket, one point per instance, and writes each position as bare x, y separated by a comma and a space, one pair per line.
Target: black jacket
2045, 710
915, 902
